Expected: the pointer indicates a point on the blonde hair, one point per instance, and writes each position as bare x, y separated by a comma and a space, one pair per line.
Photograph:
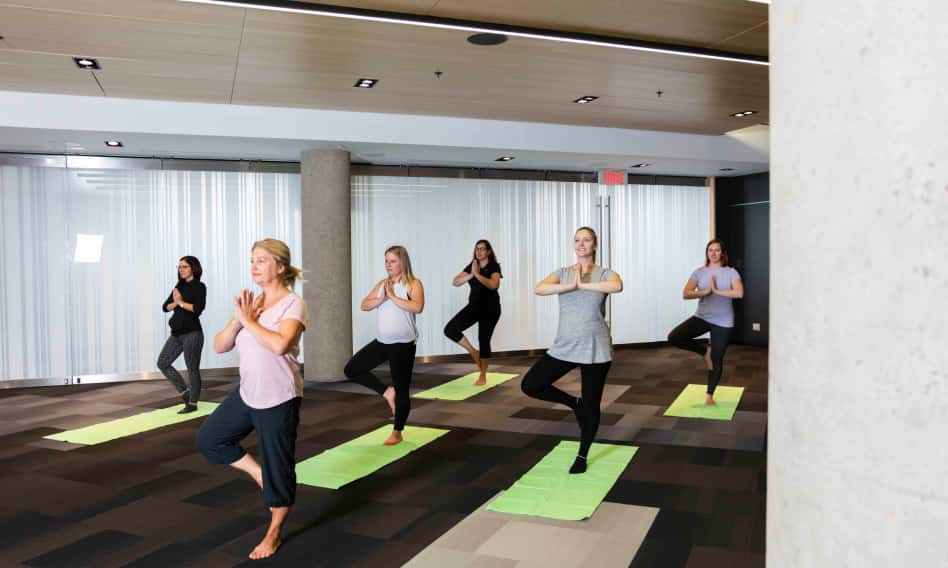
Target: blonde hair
402, 253
281, 254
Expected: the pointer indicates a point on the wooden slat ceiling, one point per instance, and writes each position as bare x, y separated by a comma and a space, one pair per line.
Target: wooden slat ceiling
168, 50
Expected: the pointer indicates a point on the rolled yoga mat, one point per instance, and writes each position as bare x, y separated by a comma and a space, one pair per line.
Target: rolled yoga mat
358, 458
462, 388
122, 427
690, 403
549, 490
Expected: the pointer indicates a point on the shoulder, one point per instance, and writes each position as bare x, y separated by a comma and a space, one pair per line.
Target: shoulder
493, 267
733, 272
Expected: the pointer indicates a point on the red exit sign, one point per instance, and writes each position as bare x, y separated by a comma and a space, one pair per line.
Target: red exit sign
612, 178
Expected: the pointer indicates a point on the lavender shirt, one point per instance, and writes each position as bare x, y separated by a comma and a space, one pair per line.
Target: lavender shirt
715, 309
268, 379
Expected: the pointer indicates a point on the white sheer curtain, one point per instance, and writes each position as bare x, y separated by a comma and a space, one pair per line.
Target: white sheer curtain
530, 225
658, 238
61, 317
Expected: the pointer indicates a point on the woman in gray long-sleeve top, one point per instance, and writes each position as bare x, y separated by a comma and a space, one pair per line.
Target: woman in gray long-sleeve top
582, 339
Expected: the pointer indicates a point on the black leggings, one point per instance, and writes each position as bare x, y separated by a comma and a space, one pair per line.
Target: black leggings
485, 317
191, 343
683, 337
401, 360
538, 383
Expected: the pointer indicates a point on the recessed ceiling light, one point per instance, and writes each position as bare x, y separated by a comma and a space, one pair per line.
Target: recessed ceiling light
114, 143
366, 83
743, 113
585, 100
86, 63
642, 165
726, 169
487, 39
504, 159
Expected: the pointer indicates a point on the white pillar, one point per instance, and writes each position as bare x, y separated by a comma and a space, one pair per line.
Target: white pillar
858, 404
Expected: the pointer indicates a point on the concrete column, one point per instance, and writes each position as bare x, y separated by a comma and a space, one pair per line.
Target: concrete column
858, 405
326, 258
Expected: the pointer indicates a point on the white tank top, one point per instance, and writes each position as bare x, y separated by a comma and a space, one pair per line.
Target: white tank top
395, 325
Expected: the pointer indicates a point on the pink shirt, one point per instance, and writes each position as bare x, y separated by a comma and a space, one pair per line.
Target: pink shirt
268, 379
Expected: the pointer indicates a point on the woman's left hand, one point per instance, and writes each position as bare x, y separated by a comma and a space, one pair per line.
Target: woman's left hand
389, 289
714, 286
176, 296
249, 307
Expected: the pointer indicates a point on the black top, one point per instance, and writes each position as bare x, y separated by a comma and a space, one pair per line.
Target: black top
183, 321
480, 294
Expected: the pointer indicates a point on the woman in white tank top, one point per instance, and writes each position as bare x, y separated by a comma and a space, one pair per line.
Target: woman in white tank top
399, 297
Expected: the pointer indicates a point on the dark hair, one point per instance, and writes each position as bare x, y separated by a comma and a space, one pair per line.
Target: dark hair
490, 250
195, 265
723, 252
595, 238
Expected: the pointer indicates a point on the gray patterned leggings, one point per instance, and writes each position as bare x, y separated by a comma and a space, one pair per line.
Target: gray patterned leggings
191, 343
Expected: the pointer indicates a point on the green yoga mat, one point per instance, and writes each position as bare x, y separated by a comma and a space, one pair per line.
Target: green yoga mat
690, 403
122, 427
357, 458
549, 490
460, 389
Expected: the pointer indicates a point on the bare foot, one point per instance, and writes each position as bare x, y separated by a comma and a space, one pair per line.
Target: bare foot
266, 548
707, 358
389, 396
709, 400
395, 438
481, 380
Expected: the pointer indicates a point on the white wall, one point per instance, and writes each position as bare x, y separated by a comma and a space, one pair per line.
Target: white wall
62, 318
657, 238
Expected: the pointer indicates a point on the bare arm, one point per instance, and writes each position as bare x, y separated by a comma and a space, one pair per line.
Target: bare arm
461, 279
277, 341
417, 302
551, 285
736, 291
225, 338
612, 285
373, 300
690, 292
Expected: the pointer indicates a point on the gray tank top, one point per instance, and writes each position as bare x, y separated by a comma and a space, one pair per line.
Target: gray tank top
582, 335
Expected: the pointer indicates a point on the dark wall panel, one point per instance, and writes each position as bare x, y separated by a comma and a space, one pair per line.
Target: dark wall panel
742, 221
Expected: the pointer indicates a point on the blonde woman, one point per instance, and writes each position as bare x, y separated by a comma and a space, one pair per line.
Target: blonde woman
399, 297
582, 339
266, 330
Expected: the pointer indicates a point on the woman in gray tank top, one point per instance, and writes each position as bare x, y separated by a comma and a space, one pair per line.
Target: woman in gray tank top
582, 339
714, 285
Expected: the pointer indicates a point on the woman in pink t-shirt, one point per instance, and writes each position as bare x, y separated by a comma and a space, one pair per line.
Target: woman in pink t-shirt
266, 331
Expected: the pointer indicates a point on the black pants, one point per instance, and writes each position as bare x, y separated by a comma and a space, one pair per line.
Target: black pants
684, 335
486, 318
191, 343
538, 383
401, 360
220, 435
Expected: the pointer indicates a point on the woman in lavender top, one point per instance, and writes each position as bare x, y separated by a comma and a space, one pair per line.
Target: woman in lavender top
714, 285
266, 331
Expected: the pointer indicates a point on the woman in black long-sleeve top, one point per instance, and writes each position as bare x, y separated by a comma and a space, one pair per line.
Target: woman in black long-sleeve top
187, 302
